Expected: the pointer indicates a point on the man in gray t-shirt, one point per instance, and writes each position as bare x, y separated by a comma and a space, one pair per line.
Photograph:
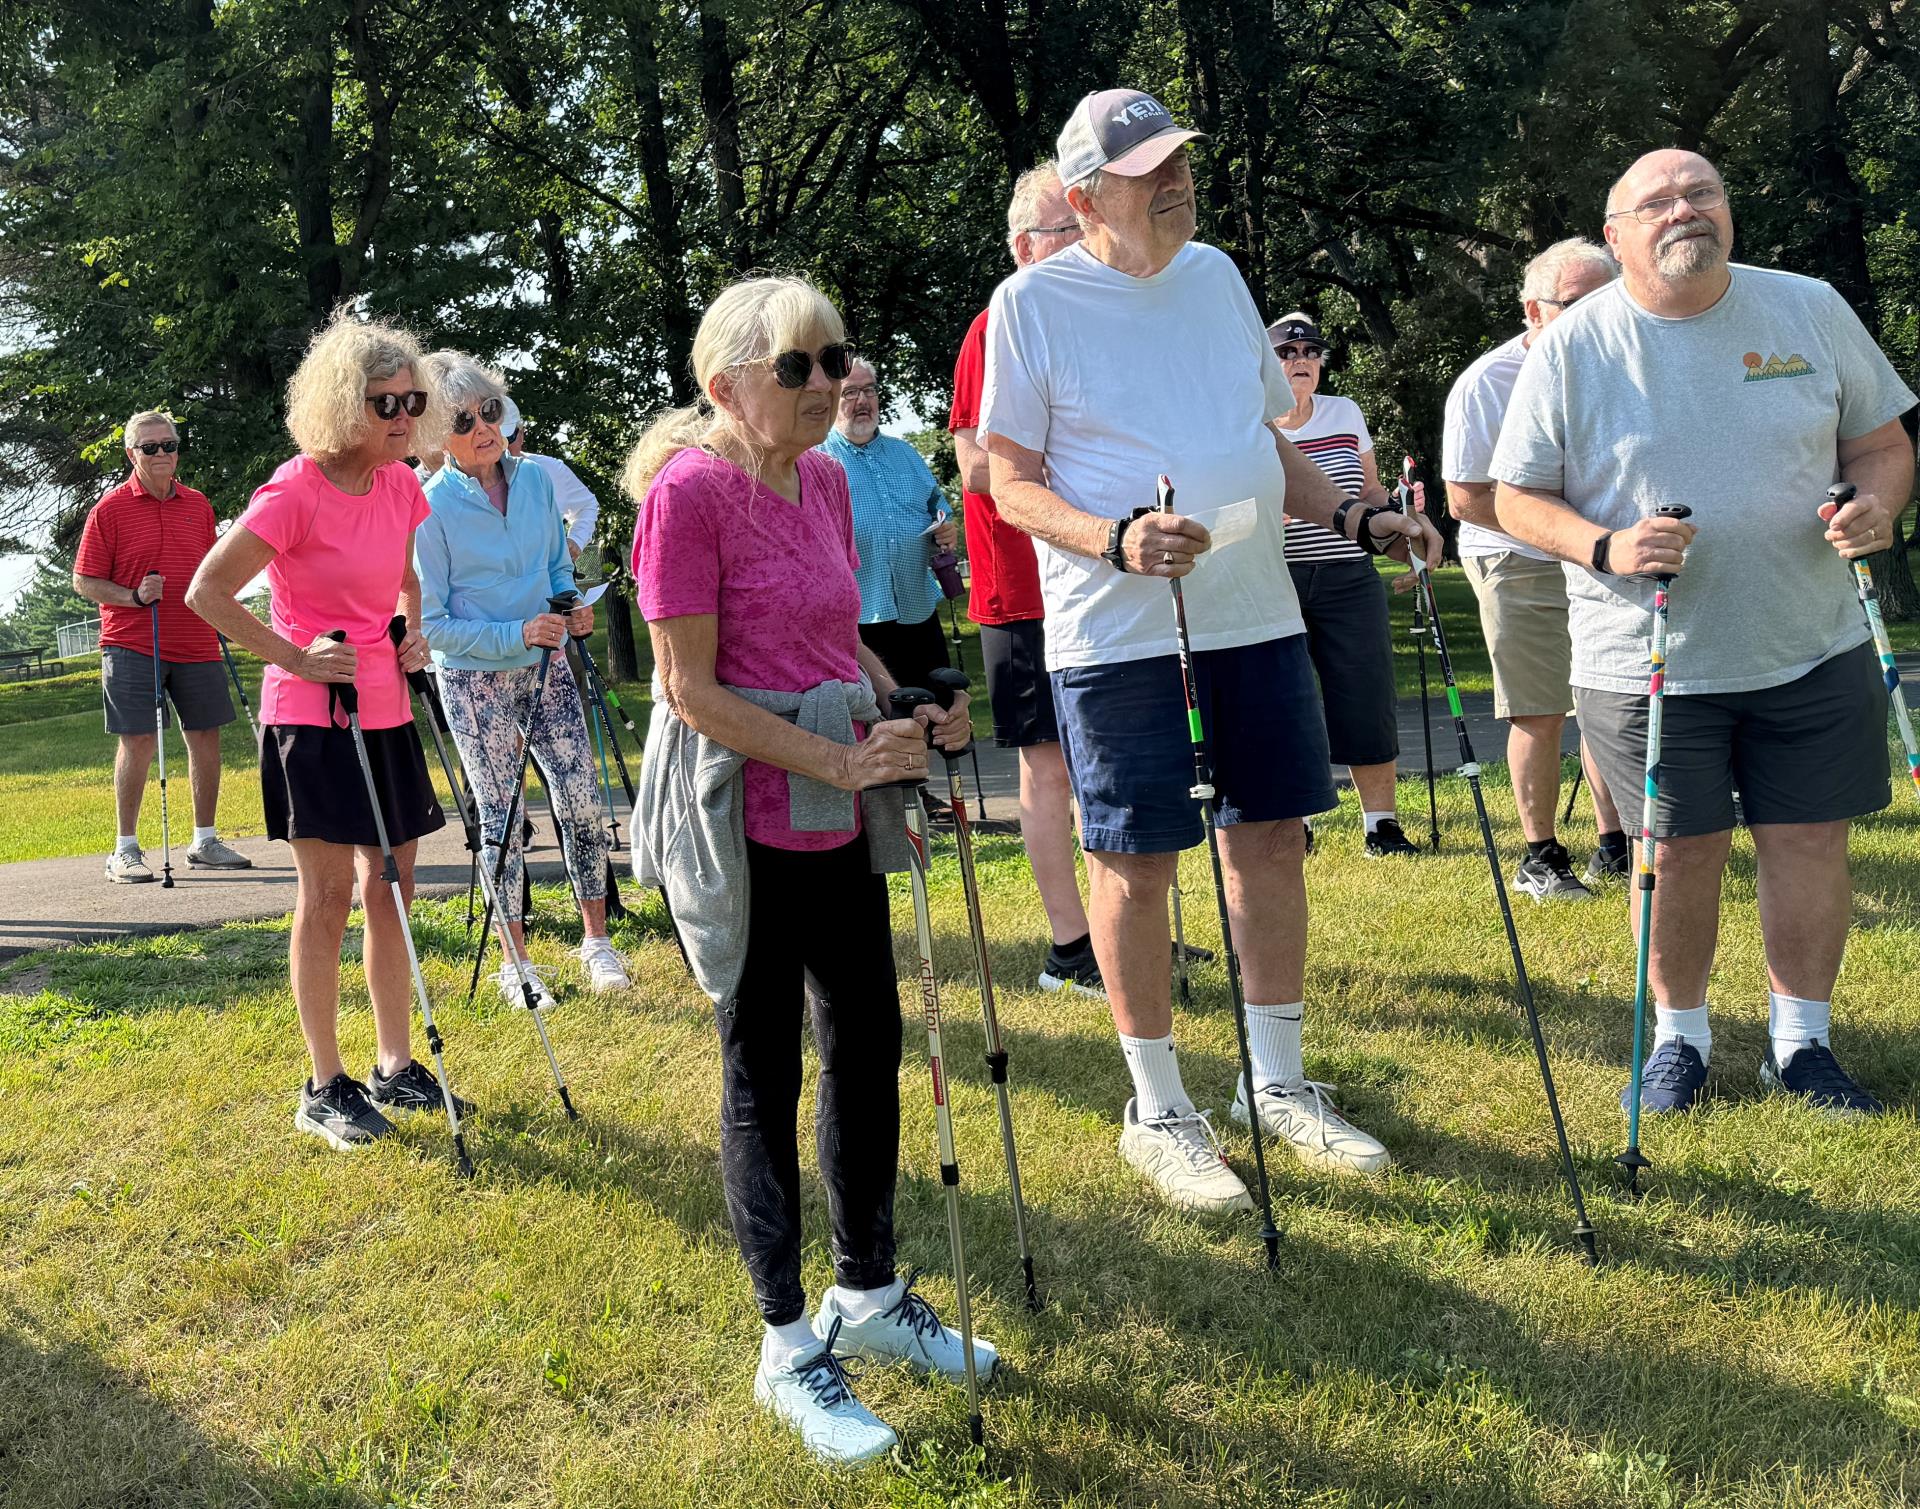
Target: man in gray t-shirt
1741, 393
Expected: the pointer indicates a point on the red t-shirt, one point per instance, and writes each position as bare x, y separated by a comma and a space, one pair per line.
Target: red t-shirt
1006, 575
130, 532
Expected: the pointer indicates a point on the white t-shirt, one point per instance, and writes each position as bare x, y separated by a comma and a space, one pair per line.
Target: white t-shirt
1736, 412
1476, 405
578, 507
1115, 380
1334, 438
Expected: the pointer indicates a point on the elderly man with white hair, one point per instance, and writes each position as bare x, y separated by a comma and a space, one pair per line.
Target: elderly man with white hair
1742, 393
1135, 353
1523, 591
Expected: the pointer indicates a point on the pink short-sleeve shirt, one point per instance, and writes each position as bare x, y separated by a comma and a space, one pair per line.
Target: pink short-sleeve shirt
338, 563
779, 578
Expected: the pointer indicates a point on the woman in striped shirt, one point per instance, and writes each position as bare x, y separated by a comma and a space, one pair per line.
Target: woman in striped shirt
1342, 597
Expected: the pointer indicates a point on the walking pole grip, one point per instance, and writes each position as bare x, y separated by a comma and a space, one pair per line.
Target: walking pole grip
1672, 511
947, 683
345, 693
419, 680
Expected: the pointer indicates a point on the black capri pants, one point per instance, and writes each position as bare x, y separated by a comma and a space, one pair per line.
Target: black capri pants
817, 927
1350, 638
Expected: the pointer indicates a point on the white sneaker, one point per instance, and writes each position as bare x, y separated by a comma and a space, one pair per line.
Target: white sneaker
512, 974
812, 1393
604, 969
1302, 1114
128, 867
1182, 1157
907, 1331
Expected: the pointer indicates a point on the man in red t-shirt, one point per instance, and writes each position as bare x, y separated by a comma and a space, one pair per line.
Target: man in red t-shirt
140, 547
1005, 603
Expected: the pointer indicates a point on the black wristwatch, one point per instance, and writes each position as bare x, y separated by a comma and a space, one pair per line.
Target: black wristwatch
1113, 555
1600, 548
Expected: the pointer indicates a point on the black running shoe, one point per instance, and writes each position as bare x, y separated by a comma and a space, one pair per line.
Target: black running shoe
1815, 1075
340, 1114
1389, 838
413, 1089
1604, 865
1548, 876
1077, 972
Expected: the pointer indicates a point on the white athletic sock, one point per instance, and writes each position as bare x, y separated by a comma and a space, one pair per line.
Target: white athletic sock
781, 1343
126, 841
203, 835
1375, 819
863, 1304
1156, 1077
1793, 1023
1669, 1024
1273, 1043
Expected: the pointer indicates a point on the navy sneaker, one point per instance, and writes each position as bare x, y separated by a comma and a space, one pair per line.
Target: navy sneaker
1815, 1075
1672, 1080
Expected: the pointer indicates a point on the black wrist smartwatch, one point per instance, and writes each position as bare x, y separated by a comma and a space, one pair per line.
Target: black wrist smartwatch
1114, 555
1600, 548
1340, 517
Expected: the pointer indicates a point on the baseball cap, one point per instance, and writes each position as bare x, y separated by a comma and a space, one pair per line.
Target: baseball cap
1296, 327
1124, 131
509, 418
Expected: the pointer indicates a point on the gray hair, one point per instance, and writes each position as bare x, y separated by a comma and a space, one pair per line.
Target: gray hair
461, 381
146, 417
1030, 190
1542, 277
1093, 185
861, 359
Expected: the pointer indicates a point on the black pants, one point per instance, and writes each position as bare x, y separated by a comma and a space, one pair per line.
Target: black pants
908, 651
818, 925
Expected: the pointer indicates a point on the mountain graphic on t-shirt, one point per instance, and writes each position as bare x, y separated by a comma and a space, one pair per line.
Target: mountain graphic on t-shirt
1759, 371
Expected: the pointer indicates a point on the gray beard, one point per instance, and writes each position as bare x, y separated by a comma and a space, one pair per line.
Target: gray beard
1690, 257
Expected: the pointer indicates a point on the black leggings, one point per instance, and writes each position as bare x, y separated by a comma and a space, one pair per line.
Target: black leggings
818, 926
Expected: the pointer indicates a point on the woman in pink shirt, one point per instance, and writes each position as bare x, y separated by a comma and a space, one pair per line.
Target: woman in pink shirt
333, 530
743, 554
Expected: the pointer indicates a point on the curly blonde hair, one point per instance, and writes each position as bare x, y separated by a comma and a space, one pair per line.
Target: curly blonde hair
327, 412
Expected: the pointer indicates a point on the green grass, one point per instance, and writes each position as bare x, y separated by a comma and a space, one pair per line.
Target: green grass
196, 1307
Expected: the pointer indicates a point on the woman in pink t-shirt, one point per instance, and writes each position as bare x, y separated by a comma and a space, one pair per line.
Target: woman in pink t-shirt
743, 555
333, 530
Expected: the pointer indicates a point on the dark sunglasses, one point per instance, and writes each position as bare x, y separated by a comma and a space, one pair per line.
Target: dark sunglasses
791, 369
1299, 353
154, 447
387, 405
490, 413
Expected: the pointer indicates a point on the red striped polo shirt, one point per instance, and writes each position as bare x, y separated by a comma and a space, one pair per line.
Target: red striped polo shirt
130, 532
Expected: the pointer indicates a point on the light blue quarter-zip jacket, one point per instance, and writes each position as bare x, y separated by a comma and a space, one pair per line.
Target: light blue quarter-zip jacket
483, 576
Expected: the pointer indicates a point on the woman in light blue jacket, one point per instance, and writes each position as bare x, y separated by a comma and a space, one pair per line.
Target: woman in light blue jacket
490, 555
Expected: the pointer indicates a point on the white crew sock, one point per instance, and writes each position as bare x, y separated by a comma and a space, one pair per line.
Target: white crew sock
1793, 1023
1273, 1043
203, 835
1156, 1077
782, 1343
1669, 1024
1375, 819
863, 1304
125, 842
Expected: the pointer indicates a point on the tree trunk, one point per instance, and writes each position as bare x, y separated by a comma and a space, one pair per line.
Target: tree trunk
622, 657
312, 186
1893, 575
721, 108
1834, 205
656, 171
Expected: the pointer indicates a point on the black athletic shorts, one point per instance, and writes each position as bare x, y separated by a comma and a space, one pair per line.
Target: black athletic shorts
1811, 751
908, 651
311, 785
1018, 686
1350, 638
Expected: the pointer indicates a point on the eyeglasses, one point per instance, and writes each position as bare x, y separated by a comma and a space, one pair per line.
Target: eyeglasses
1051, 230
1709, 196
387, 405
865, 390
1300, 353
1562, 303
791, 369
153, 447
490, 413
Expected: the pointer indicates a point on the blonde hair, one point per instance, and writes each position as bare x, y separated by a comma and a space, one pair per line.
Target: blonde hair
146, 417
751, 319
327, 412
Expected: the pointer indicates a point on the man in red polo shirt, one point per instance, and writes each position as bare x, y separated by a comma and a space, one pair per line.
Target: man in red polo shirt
141, 545
1005, 602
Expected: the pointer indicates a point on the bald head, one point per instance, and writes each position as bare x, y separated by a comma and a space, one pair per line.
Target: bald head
1669, 228
1668, 163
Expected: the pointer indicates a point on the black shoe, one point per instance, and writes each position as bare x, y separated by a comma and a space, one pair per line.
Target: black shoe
1815, 1075
939, 813
1309, 828
340, 1113
1604, 865
1389, 838
1077, 972
413, 1089
1548, 876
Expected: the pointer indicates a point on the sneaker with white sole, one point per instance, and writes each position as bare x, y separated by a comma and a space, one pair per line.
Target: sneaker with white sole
340, 1114
812, 1392
1302, 1115
906, 1331
604, 970
211, 854
1182, 1156
128, 867
1077, 973
514, 976
1548, 876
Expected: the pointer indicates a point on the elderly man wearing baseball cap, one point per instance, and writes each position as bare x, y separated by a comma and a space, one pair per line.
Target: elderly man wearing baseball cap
1135, 353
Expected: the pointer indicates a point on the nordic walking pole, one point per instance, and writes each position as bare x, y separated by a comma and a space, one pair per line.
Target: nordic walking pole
226, 654
347, 696
160, 743
598, 716
1470, 768
973, 748
1573, 795
901, 704
1838, 494
1409, 506
945, 684
1633, 1160
1202, 791
1180, 943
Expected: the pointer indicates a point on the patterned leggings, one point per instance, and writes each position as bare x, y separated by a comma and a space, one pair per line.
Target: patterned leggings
486, 710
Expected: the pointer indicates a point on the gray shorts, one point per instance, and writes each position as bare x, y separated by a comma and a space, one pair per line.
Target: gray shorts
197, 689
1811, 751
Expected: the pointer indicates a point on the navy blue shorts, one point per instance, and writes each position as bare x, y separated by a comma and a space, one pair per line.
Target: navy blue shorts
1124, 732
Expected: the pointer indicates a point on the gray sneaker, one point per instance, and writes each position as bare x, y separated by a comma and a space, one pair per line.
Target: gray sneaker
211, 854
1550, 877
128, 867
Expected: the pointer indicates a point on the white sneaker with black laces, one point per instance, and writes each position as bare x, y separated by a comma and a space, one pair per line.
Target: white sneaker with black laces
1182, 1156
1302, 1115
906, 1331
812, 1392
604, 970
514, 976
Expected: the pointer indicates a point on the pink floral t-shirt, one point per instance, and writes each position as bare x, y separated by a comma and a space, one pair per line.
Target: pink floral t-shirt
779, 578
338, 564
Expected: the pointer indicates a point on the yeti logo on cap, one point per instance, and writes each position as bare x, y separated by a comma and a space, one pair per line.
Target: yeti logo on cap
1143, 108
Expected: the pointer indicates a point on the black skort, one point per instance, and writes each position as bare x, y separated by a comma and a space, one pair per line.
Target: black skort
311, 785
1350, 637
